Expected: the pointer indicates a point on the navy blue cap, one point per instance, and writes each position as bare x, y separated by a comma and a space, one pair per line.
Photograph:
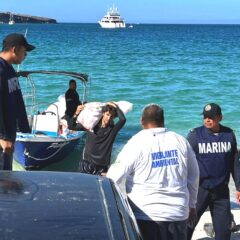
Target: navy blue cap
16, 39
212, 110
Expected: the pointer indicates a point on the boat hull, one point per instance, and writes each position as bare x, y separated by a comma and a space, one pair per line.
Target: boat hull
33, 151
112, 24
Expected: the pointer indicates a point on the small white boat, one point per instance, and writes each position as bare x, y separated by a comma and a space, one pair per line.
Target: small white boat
47, 143
11, 21
112, 19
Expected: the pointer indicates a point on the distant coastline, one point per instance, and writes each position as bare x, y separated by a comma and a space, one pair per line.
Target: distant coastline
24, 18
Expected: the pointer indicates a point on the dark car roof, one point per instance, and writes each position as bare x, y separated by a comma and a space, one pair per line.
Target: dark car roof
54, 205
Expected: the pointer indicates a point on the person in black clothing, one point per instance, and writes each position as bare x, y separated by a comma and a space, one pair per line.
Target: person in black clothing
13, 116
72, 100
215, 147
98, 147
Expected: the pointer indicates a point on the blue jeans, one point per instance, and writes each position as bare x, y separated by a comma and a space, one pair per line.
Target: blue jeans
6, 160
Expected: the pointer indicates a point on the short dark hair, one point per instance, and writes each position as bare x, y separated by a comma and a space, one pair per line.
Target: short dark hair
72, 81
109, 108
14, 40
153, 113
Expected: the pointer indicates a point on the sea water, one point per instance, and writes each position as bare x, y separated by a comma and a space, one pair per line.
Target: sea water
181, 67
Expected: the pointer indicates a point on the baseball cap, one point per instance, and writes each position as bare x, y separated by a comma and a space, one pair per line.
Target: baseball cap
212, 110
16, 39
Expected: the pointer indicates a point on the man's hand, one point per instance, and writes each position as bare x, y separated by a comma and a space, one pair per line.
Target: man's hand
192, 219
7, 146
111, 104
238, 197
79, 109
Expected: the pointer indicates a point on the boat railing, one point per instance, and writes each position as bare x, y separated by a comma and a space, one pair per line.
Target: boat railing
29, 94
28, 87
45, 122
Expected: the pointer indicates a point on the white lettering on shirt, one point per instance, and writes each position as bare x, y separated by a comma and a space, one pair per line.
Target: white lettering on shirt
214, 147
13, 84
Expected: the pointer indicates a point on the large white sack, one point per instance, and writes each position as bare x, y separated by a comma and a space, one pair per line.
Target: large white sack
92, 113
125, 106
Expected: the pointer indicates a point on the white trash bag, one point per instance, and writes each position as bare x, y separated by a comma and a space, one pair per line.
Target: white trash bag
125, 106
92, 113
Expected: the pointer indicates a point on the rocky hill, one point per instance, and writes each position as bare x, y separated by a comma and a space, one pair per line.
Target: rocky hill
23, 18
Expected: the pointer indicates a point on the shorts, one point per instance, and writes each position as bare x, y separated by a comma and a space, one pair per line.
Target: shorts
92, 168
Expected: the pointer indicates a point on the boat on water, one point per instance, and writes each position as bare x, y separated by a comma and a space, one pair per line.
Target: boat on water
50, 140
112, 19
11, 21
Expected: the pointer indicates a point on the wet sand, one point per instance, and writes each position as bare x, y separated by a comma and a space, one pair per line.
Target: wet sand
200, 234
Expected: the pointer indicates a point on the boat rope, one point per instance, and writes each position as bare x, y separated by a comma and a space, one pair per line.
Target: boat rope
26, 153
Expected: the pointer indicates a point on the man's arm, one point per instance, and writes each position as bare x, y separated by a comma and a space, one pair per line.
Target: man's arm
192, 139
68, 100
6, 145
193, 176
235, 169
22, 119
2, 112
193, 184
120, 115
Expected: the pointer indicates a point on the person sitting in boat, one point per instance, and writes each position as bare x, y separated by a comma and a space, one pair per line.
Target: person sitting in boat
72, 100
99, 141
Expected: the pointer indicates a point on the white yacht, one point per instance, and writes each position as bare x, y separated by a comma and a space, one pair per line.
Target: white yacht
11, 21
112, 19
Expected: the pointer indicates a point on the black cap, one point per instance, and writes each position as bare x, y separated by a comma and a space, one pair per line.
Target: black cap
16, 39
212, 110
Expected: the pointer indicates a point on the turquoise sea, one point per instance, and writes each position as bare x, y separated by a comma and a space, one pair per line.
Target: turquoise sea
181, 67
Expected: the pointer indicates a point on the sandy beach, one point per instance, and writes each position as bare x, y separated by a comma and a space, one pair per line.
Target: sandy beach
200, 234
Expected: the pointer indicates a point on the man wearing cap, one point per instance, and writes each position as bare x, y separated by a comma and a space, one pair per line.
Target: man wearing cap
162, 175
13, 115
215, 147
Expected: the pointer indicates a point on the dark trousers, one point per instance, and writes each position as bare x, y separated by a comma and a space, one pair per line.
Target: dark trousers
218, 202
156, 230
6, 160
91, 168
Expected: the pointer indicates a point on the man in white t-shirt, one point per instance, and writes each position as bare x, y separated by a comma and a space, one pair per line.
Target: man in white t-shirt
162, 176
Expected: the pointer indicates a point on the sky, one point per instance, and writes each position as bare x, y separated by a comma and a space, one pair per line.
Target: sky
133, 11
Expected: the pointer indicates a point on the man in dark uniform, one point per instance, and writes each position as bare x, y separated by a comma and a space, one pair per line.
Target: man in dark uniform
72, 100
215, 147
98, 147
13, 114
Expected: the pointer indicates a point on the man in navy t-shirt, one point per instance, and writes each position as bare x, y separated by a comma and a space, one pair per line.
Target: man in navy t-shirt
215, 147
13, 115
